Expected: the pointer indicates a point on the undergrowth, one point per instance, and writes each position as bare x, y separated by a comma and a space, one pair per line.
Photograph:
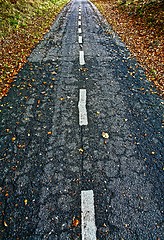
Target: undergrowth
20, 13
23, 24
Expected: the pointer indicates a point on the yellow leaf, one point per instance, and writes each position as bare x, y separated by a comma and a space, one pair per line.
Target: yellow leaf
13, 139
81, 150
25, 202
61, 98
105, 135
5, 224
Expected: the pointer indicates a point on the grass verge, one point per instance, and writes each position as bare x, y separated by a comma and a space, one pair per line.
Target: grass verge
23, 24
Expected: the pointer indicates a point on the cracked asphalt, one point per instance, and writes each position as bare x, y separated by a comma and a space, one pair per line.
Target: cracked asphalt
47, 158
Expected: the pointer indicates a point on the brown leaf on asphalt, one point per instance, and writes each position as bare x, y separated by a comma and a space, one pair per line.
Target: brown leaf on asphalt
97, 113
5, 224
7, 194
84, 69
105, 135
13, 139
54, 73
21, 146
61, 99
81, 150
75, 222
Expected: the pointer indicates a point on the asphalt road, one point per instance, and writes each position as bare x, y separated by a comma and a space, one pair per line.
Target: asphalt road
80, 116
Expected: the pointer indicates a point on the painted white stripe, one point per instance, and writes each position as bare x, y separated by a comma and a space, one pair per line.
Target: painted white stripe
79, 23
80, 39
88, 226
79, 17
79, 30
81, 58
83, 119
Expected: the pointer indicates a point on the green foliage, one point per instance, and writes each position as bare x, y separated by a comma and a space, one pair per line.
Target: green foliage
20, 13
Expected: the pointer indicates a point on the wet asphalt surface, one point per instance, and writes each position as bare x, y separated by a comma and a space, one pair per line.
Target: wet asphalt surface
47, 159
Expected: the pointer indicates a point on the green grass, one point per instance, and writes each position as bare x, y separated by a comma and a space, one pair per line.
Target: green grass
23, 24
21, 13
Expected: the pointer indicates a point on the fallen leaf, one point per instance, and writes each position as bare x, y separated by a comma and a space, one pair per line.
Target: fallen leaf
13, 139
105, 135
75, 222
6, 195
81, 150
25, 202
21, 145
84, 69
5, 224
61, 99
49, 133
153, 153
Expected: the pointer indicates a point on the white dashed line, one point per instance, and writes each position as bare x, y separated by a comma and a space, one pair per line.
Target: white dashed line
79, 23
83, 119
80, 39
81, 57
79, 30
88, 226
79, 17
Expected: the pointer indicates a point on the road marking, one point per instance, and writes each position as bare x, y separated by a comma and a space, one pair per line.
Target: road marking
79, 30
83, 119
80, 39
88, 226
79, 23
81, 57
79, 17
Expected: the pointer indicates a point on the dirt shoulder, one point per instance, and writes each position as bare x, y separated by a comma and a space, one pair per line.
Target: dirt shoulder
142, 30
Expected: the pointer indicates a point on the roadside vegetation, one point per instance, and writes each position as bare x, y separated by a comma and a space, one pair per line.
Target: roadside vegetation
22, 24
140, 24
